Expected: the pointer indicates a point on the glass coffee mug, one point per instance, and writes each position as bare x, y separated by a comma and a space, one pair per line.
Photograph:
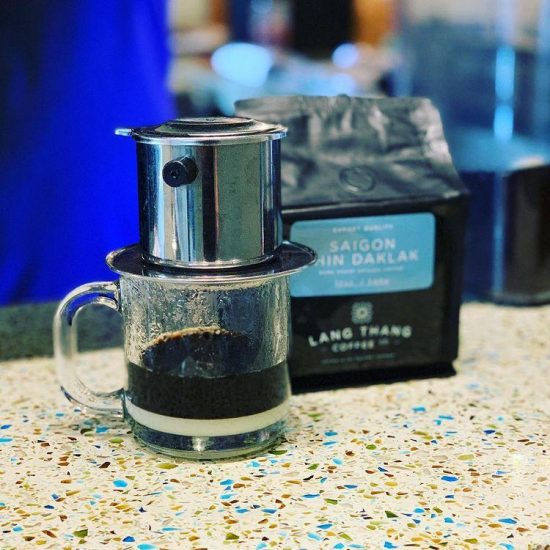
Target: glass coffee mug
206, 358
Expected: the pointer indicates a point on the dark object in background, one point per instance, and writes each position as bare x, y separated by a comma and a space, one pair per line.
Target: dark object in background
493, 99
239, 20
508, 239
26, 331
369, 184
319, 27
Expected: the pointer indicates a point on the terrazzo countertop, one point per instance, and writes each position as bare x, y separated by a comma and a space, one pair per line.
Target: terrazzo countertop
444, 463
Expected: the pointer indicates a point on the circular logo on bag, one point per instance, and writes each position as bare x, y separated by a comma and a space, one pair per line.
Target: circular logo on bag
358, 179
361, 313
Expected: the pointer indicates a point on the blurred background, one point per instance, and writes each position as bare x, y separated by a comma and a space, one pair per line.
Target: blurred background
71, 72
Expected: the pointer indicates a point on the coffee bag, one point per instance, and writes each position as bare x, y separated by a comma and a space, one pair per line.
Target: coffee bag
369, 184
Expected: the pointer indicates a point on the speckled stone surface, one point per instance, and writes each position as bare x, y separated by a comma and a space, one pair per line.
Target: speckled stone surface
446, 463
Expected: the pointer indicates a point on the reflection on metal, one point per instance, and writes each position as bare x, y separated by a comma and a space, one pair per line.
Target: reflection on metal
209, 192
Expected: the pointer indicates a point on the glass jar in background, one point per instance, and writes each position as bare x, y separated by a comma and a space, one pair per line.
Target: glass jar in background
486, 65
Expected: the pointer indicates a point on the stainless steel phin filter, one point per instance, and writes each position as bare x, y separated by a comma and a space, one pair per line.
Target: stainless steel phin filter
204, 297
209, 192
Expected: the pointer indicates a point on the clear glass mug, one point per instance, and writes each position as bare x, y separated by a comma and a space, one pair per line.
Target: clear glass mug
206, 366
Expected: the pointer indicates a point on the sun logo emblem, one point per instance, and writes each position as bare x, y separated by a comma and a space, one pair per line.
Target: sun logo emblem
361, 313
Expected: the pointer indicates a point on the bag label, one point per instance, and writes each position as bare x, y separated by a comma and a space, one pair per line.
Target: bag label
367, 255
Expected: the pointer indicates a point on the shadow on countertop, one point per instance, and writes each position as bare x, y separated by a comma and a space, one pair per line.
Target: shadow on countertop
26, 330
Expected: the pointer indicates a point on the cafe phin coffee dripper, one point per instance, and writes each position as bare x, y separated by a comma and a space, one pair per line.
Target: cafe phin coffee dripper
204, 297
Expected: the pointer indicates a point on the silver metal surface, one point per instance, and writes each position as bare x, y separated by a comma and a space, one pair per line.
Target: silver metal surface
288, 259
209, 192
208, 130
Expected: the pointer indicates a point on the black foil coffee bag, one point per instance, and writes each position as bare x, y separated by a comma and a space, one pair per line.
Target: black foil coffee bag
369, 184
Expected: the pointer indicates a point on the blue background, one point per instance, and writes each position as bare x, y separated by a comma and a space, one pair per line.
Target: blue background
70, 72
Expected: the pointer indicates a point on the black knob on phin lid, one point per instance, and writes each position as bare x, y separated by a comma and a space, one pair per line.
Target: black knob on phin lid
180, 171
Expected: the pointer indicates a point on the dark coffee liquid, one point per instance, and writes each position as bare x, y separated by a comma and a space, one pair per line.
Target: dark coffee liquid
182, 375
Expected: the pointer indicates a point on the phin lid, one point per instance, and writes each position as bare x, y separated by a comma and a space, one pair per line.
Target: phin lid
206, 131
209, 191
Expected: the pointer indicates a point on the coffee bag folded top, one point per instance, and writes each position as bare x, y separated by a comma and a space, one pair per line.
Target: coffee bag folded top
348, 148
370, 185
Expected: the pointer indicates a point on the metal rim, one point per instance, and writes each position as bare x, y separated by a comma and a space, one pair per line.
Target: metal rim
210, 140
289, 258
208, 130
205, 266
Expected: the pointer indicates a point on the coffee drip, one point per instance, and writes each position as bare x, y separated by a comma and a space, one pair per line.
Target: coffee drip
208, 287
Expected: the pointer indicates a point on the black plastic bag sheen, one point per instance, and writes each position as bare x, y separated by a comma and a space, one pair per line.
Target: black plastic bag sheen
369, 184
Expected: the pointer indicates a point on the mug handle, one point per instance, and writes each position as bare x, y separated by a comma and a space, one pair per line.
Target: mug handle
65, 339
